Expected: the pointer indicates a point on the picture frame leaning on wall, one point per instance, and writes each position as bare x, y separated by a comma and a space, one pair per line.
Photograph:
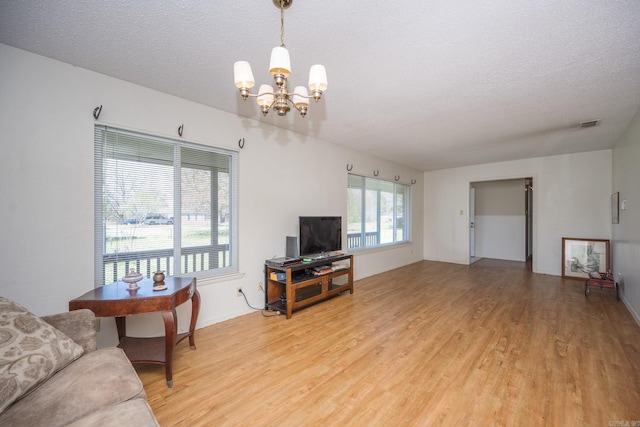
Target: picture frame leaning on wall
582, 256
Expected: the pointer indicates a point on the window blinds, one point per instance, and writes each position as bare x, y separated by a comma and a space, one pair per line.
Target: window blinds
162, 204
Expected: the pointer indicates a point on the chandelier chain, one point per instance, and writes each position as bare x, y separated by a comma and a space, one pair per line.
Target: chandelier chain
282, 23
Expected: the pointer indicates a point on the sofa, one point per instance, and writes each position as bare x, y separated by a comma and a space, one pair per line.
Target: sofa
51, 373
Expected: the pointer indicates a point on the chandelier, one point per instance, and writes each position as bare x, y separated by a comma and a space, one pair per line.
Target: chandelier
280, 68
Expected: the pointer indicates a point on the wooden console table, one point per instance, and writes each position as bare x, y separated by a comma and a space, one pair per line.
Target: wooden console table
116, 300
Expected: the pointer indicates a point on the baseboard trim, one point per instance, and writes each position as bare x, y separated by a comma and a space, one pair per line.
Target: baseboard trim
634, 313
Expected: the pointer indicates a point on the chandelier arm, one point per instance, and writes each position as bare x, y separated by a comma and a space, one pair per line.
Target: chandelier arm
303, 109
305, 96
255, 95
289, 95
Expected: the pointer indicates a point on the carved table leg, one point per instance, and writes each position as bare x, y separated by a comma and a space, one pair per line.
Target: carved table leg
121, 326
195, 310
170, 334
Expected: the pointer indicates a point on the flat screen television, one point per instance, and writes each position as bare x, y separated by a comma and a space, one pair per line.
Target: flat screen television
319, 234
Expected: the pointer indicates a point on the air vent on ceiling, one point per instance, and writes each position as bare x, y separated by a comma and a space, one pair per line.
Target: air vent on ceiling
589, 123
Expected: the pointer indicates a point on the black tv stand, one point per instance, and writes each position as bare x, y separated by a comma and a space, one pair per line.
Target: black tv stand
302, 285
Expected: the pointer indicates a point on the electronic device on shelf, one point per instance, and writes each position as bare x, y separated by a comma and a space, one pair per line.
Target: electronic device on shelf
282, 262
320, 236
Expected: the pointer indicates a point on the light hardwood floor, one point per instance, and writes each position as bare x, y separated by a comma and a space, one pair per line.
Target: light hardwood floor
427, 344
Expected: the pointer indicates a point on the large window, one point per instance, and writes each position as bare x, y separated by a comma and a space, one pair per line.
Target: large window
378, 212
162, 205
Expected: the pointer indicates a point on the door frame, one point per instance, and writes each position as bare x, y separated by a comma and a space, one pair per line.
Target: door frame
530, 223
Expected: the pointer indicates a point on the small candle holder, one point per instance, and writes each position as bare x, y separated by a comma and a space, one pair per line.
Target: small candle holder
158, 277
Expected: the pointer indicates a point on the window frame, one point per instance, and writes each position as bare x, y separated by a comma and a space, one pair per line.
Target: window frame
178, 250
367, 239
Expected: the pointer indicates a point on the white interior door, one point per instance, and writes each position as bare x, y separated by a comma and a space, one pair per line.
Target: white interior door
472, 221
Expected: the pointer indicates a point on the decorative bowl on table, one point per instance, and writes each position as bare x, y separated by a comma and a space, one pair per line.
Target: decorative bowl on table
132, 278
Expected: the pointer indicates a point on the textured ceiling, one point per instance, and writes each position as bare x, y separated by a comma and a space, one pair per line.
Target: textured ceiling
430, 84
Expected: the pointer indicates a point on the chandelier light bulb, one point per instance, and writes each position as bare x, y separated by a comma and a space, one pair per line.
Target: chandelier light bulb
318, 79
265, 95
280, 62
300, 96
243, 75
265, 98
300, 99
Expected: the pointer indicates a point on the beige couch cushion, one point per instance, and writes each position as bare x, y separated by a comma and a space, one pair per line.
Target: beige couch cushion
31, 351
134, 412
99, 381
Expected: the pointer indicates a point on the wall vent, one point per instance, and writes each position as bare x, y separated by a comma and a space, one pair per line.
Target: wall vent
589, 123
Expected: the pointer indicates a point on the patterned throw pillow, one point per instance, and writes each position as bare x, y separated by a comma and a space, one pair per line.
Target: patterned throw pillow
31, 351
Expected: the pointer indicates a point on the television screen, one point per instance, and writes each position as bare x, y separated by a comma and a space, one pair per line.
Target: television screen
320, 234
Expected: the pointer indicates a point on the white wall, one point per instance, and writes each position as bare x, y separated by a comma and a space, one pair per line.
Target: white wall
46, 185
571, 199
625, 246
500, 237
500, 220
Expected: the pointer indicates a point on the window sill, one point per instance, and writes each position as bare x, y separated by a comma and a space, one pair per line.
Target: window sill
381, 248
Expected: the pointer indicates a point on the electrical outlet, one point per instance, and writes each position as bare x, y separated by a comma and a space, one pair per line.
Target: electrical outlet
239, 292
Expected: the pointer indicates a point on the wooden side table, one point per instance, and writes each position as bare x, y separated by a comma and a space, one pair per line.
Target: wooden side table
116, 300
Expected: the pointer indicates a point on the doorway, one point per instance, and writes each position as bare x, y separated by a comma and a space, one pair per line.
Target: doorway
501, 220
528, 203
472, 226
